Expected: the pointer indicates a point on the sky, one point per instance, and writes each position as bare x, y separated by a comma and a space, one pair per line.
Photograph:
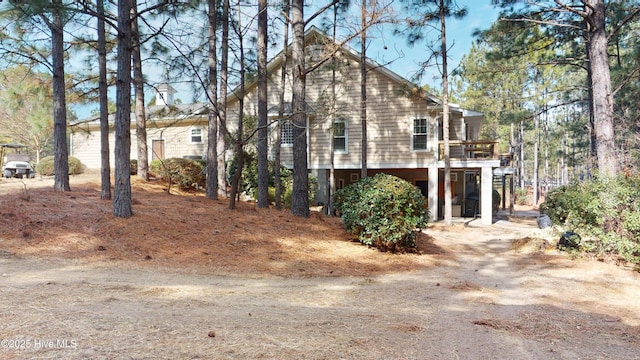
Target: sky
481, 15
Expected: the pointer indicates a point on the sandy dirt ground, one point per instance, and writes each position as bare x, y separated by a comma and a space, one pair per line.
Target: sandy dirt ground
186, 278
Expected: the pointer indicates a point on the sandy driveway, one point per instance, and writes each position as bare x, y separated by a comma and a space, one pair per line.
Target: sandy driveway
487, 302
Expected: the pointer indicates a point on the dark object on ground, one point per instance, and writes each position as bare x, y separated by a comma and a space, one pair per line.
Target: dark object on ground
569, 240
544, 221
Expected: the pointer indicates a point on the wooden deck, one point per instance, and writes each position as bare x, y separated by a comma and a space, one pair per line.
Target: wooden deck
472, 149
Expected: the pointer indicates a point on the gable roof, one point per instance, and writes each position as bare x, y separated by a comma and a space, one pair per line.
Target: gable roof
313, 35
155, 113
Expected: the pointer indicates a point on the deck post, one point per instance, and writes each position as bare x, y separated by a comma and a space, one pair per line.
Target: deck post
432, 192
486, 193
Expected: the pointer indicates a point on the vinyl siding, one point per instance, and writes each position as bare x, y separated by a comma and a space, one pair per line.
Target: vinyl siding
390, 114
85, 141
85, 146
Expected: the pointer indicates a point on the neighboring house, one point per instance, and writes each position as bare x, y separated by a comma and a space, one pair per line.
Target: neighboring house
173, 130
404, 131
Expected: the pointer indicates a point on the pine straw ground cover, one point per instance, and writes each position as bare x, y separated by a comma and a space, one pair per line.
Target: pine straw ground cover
189, 232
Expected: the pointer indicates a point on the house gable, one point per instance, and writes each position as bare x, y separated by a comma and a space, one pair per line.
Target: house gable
392, 104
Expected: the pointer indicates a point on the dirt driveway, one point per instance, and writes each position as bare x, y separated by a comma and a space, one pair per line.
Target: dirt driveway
488, 302
484, 299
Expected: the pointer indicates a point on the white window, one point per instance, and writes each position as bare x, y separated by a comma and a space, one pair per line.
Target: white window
286, 133
195, 135
419, 134
340, 136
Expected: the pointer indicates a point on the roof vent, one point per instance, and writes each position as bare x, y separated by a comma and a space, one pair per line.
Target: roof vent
314, 52
164, 95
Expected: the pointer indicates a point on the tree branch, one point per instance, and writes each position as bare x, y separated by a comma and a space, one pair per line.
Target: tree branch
320, 11
626, 20
630, 77
541, 22
562, 5
344, 42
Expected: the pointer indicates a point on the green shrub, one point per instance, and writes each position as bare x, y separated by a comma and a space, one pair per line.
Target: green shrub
271, 194
75, 166
383, 211
567, 202
249, 183
287, 193
46, 166
605, 212
186, 173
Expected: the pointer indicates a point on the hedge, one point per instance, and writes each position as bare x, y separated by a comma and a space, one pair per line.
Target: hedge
186, 173
46, 166
384, 211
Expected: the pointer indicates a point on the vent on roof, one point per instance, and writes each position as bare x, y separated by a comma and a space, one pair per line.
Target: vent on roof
314, 52
164, 95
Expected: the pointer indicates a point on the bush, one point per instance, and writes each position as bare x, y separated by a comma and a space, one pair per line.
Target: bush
287, 194
604, 212
186, 173
568, 202
75, 166
249, 183
46, 166
383, 211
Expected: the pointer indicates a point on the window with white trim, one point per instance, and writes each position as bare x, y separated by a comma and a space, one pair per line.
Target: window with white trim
195, 135
419, 134
286, 133
340, 136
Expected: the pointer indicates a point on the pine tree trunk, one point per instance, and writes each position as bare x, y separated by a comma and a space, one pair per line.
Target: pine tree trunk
239, 148
283, 77
212, 129
546, 151
263, 164
601, 84
61, 152
445, 119
105, 166
222, 111
536, 150
122, 188
521, 150
138, 84
300, 196
334, 100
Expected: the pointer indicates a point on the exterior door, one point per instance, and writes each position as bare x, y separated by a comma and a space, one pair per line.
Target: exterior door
157, 148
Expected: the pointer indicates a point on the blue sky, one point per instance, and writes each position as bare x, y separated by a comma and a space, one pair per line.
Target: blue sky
481, 15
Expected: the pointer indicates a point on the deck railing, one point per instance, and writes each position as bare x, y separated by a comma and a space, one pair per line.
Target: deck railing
471, 149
